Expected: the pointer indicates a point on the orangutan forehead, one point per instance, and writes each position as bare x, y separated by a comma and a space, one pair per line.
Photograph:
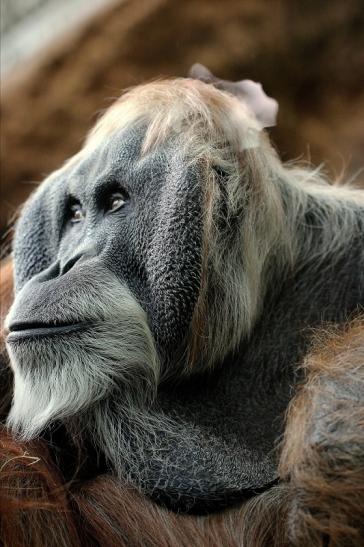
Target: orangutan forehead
166, 121
183, 107
118, 157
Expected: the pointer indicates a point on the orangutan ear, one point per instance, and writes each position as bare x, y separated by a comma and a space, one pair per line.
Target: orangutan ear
251, 93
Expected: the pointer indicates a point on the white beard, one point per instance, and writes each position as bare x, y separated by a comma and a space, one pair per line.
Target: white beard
59, 376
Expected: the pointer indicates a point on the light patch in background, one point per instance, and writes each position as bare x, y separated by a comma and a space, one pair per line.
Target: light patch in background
31, 26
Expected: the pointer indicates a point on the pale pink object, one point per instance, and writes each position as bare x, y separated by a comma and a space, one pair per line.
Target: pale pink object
251, 93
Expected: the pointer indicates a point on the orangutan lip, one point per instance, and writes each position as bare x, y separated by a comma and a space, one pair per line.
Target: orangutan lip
22, 331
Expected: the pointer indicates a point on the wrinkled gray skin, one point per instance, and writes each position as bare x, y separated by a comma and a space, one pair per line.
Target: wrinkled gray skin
229, 420
152, 244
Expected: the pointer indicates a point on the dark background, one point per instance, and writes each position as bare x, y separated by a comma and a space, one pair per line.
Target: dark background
308, 54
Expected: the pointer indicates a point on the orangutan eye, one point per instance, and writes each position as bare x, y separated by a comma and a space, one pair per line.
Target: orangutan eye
116, 201
77, 214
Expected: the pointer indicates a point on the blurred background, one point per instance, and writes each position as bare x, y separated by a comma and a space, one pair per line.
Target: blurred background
64, 61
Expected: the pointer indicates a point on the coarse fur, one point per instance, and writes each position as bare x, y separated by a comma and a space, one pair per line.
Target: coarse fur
318, 502
323, 446
234, 262
267, 215
255, 207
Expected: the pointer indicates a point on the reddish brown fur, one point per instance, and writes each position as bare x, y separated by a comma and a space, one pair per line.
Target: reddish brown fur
323, 451
34, 507
318, 502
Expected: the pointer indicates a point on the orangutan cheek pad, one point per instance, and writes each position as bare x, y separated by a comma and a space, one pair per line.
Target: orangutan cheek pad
212, 243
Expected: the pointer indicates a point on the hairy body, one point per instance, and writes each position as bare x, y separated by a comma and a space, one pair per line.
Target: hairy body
317, 502
169, 279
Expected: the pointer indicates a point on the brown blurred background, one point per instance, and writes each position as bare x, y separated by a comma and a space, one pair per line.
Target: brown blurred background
308, 54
